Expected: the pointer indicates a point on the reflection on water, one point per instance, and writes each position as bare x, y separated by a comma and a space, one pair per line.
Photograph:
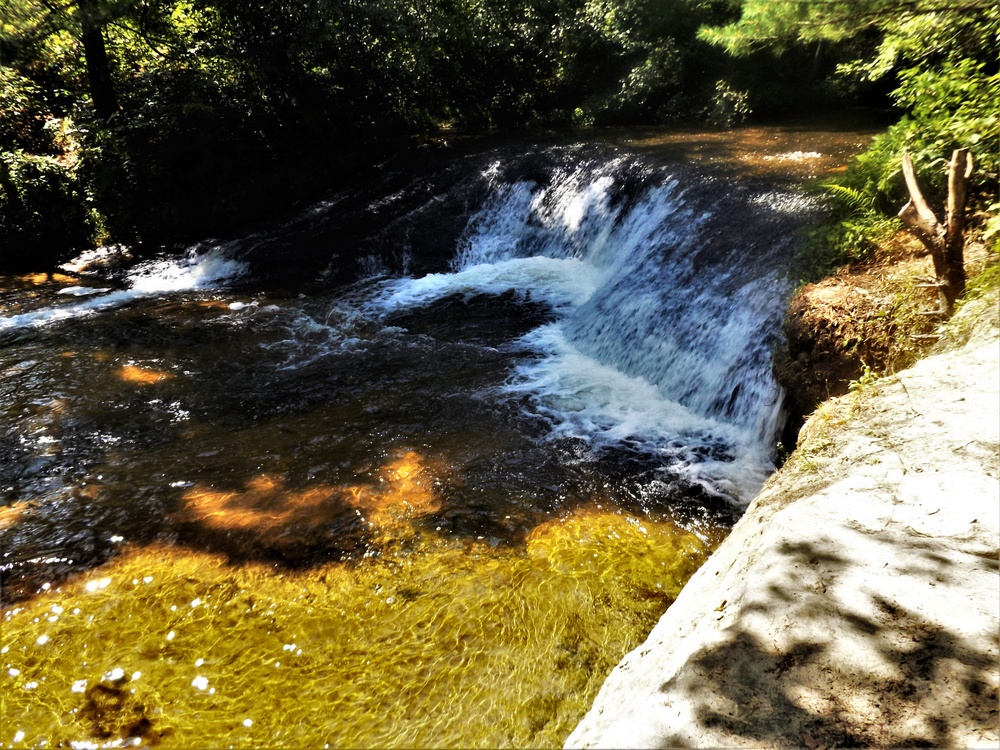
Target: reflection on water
333, 537
790, 151
269, 515
144, 375
9, 514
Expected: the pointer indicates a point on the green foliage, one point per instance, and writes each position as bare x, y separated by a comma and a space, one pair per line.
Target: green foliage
628, 61
855, 200
20, 99
42, 211
207, 103
954, 106
867, 379
991, 227
980, 303
854, 229
729, 107
857, 227
904, 26
212, 101
986, 281
943, 58
927, 34
845, 237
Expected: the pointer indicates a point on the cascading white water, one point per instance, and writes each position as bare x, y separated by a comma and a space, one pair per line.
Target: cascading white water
666, 295
529, 375
663, 330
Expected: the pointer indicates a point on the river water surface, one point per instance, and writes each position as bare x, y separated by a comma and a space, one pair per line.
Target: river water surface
415, 467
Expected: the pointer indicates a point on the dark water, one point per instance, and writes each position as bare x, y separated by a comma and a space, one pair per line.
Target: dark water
549, 326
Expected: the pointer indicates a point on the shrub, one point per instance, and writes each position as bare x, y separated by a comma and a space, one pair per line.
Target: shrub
43, 213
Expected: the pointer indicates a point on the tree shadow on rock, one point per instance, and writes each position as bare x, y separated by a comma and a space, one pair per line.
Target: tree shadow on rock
818, 664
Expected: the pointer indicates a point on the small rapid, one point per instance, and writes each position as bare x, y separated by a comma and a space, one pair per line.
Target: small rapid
662, 291
641, 301
192, 271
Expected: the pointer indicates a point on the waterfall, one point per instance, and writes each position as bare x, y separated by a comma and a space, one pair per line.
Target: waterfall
663, 290
665, 312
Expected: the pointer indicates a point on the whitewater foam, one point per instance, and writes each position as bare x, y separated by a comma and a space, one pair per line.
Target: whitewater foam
559, 282
82, 291
663, 336
191, 272
581, 397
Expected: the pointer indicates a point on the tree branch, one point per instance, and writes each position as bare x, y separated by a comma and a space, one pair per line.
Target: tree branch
917, 214
959, 172
945, 243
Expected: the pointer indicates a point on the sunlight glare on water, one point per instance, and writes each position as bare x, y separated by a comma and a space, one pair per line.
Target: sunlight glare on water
421, 648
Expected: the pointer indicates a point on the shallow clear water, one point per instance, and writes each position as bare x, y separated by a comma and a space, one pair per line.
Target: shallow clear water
433, 371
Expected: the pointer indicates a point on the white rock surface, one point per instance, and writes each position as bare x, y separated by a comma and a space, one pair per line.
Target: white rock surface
858, 600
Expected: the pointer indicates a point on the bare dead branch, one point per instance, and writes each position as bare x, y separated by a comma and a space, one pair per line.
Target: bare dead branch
926, 219
945, 243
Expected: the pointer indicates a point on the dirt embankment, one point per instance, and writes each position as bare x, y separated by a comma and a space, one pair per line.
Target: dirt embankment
872, 316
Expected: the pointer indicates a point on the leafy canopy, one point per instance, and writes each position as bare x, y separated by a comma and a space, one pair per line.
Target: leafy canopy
907, 25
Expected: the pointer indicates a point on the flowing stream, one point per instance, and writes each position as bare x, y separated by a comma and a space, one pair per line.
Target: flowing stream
414, 467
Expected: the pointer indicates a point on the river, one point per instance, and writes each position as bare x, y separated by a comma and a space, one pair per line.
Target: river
413, 467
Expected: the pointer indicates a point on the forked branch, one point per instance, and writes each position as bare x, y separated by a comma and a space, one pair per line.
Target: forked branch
945, 242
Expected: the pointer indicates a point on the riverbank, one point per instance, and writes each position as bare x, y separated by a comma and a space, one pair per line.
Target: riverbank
855, 603
873, 316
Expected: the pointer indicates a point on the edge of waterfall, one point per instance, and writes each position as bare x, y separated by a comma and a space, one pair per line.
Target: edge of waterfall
855, 603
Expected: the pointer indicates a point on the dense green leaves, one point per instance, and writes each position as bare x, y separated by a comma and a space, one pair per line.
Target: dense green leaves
173, 117
186, 110
943, 58
42, 208
907, 26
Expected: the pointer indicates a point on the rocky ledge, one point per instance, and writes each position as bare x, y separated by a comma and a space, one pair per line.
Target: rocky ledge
857, 602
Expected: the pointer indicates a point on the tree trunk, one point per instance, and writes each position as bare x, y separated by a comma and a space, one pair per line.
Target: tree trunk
945, 243
102, 88
959, 172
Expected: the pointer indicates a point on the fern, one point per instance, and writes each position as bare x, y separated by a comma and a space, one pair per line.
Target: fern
857, 201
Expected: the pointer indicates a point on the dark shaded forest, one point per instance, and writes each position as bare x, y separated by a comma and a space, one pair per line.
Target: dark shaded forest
155, 122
